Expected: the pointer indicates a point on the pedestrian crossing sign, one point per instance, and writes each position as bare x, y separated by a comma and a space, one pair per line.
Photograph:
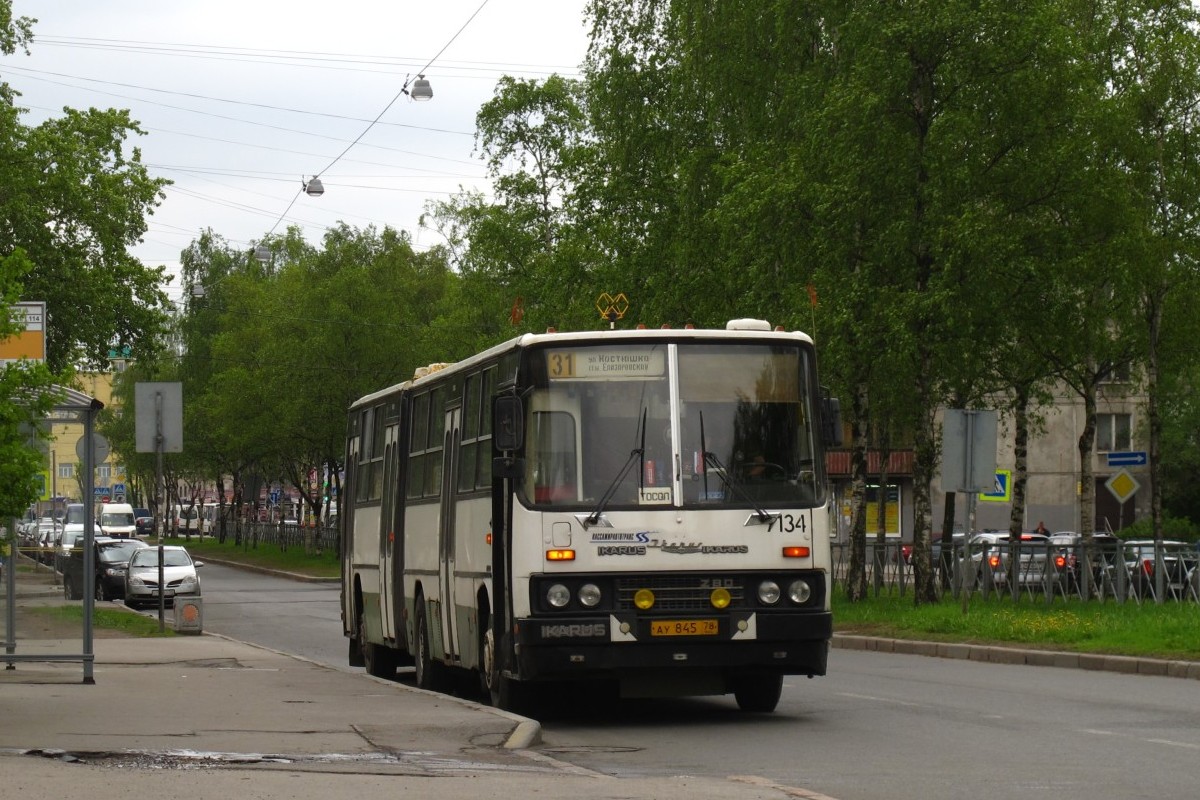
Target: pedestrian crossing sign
1001, 489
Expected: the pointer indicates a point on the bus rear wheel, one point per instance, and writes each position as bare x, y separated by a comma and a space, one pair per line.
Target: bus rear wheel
429, 673
378, 660
758, 691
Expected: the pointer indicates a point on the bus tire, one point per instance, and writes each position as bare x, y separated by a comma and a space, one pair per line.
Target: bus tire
429, 672
758, 691
378, 660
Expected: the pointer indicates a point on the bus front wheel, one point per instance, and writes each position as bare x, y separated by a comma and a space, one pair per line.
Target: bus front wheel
757, 691
503, 692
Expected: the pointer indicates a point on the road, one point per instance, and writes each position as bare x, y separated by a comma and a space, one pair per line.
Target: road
877, 727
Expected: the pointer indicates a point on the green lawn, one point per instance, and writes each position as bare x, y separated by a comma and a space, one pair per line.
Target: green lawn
296, 559
1171, 630
113, 619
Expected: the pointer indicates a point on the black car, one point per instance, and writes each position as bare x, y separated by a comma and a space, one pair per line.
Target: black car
143, 521
112, 558
1070, 556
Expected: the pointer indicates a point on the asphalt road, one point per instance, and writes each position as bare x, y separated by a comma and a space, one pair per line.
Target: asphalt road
878, 726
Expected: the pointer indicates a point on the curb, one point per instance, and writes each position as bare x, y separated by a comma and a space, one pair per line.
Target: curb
1126, 665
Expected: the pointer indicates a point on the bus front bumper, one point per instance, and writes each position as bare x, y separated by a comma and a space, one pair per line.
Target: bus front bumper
791, 643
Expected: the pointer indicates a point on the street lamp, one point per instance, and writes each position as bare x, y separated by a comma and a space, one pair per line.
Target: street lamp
314, 187
421, 90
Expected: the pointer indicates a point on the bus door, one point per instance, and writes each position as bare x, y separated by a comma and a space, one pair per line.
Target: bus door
388, 591
446, 539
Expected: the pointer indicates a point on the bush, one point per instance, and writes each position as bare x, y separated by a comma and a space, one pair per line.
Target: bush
1176, 528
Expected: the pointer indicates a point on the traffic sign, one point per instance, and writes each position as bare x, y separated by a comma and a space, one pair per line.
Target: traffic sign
1001, 489
1133, 458
1122, 485
118, 488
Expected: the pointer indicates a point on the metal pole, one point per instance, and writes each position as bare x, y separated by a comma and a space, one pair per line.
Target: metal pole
89, 550
161, 488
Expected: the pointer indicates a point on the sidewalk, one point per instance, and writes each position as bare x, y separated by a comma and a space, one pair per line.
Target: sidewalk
216, 718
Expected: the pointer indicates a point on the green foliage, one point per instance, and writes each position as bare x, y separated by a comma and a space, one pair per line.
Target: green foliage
77, 239
1173, 529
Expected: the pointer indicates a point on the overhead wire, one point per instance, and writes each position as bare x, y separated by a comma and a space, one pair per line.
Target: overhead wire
403, 91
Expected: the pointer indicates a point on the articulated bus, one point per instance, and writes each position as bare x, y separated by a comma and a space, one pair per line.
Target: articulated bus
646, 509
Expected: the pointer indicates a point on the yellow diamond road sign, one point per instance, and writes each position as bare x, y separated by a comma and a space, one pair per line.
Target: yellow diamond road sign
1122, 485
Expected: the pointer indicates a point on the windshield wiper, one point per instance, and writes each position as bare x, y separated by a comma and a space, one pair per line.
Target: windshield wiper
722, 473
638, 453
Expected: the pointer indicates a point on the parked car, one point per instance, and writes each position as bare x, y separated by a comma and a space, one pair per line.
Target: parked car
110, 561
143, 522
1070, 556
179, 575
991, 554
1178, 562
47, 534
65, 542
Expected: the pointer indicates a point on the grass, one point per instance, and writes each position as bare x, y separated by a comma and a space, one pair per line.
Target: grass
1148, 630
120, 620
269, 556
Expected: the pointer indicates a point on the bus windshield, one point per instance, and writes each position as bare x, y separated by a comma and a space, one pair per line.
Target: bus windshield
695, 424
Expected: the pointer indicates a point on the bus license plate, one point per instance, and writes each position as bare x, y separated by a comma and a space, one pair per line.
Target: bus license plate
683, 627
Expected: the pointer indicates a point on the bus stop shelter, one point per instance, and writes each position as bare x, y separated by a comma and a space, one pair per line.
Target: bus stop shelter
72, 407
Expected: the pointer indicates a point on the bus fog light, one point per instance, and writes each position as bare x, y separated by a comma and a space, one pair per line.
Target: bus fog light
720, 598
589, 595
643, 599
768, 593
558, 595
799, 591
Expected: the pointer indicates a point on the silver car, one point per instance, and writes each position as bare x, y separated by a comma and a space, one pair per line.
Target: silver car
179, 576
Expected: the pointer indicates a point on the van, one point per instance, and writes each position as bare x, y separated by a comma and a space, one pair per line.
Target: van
185, 519
116, 520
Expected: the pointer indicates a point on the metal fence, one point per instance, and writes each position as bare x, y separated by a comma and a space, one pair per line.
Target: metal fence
311, 539
1037, 571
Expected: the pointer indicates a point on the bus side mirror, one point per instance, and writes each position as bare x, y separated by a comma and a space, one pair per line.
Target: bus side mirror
831, 421
509, 418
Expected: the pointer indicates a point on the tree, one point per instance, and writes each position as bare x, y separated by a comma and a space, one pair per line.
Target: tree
526, 248
75, 197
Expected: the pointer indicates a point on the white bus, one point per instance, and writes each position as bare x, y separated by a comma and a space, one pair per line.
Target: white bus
643, 508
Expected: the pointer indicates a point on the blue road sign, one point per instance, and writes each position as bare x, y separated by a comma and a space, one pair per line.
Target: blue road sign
1135, 458
1001, 488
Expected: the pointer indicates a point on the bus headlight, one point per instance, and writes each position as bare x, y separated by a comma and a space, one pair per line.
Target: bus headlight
799, 592
589, 595
558, 595
768, 593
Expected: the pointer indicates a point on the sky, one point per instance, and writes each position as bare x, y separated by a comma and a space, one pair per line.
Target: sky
242, 102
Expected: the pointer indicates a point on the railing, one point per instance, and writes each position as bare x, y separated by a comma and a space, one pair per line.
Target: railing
1037, 571
312, 539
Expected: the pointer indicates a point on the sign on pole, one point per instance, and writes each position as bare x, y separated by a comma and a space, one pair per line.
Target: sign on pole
968, 450
30, 342
1122, 485
1133, 458
155, 405
1001, 489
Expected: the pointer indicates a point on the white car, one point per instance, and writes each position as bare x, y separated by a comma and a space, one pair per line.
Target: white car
141, 576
